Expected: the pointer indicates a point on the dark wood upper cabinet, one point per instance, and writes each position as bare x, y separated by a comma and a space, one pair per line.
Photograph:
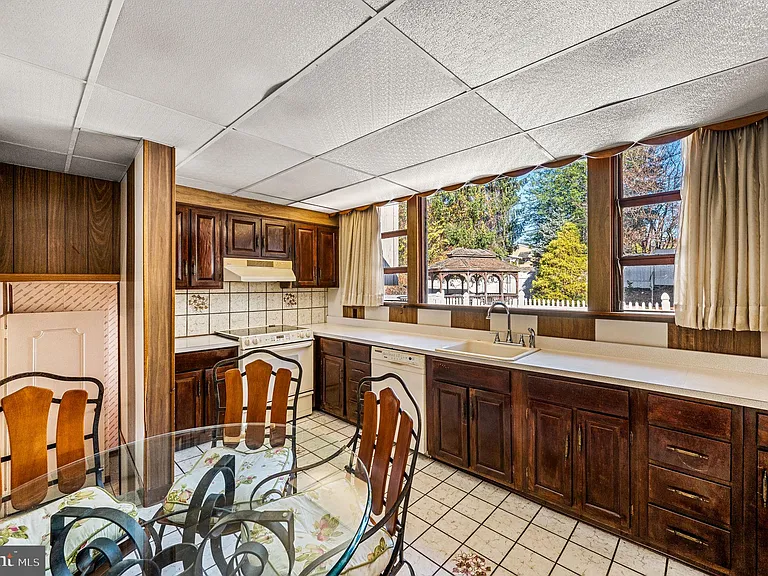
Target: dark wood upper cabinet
305, 261
448, 423
182, 247
327, 257
205, 248
490, 448
242, 236
550, 454
277, 239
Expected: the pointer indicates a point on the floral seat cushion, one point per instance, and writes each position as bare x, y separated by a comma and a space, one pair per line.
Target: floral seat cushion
250, 468
33, 528
324, 518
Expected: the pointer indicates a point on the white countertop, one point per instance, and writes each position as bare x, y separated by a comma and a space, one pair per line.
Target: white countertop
197, 343
727, 386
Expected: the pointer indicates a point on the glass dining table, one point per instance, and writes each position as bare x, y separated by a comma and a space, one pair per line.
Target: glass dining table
218, 500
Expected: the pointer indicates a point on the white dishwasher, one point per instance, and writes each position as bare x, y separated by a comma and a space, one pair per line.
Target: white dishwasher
412, 369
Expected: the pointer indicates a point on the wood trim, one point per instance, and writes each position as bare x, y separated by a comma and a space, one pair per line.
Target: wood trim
59, 277
6, 218
417, 250
396, 270
472, 318
575, 328
749, 487
600, 225
647, 260
404, 314
646, 199
197, 197
353, 312
717, 341
394, 234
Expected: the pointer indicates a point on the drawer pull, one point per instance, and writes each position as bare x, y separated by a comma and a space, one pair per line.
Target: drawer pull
686, 536
578, 441
685, 494
765, 487
567, 445
685, 452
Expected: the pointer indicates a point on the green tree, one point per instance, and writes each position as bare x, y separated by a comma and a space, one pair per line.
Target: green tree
562, 272
474, 217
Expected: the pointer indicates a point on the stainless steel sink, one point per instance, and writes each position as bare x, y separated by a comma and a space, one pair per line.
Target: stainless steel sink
488, 350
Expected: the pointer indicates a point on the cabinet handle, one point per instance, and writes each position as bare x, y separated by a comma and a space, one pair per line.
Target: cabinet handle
685, 494
685, 452
567, 445
578, 440
765, 487
686, 536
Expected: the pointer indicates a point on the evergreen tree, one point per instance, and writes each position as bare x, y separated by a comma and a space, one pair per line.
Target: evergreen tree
562, 273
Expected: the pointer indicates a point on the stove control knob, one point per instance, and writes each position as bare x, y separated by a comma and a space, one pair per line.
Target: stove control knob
246, 341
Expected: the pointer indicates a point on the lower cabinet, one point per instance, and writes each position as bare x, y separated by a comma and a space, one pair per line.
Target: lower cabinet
448, 423
341, 366
188, 406
332, 378
550, 461
762, 511
490, 446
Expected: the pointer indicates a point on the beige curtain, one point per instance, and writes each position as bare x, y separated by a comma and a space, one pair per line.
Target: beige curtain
362, 264
721, 268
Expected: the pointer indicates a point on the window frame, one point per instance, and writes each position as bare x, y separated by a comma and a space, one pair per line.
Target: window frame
400, 233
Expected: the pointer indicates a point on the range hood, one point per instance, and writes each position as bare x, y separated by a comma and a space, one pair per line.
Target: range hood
239, 270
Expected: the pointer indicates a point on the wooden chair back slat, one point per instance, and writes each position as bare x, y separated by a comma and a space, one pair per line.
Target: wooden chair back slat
26, 416
279, 412
399, 464
70, 441
258, 374
389, 405
368, 436
233, 414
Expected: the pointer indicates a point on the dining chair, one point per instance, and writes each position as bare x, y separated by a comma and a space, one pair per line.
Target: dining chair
266, 447
39, 422
384, 445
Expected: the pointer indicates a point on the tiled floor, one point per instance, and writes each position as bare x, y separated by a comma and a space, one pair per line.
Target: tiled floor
452, 512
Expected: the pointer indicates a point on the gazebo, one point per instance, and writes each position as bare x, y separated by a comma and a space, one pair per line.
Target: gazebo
472, 277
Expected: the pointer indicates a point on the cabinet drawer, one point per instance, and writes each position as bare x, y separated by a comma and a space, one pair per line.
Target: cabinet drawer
762, 430
472, 375
356, 371
689, 538
692, 454
358, 352
583, 396
332, 347
690, 416
695, 497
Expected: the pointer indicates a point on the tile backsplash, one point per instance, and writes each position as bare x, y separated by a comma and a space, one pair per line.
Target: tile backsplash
243, 304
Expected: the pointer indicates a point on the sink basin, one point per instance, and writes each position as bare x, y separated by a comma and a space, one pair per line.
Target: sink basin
488, 350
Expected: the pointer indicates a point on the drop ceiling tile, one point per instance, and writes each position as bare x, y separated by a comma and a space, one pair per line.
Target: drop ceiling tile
105, 147
60, 36
216, 62
38, 107
373, 190
262, 197
377, 4
237, 160
682, 42
479, 40
308, 179
723, 96
97, 169
458, 124
497, 157
203, 185
24, 156
112, 112
375, 80
306, 206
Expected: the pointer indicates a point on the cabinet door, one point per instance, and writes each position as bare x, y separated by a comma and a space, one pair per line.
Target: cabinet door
305, 262
187, 401
182, 247
602, 468
490, 452
550, 453
242, 236
355, 372
762, 512
277, 239
205, 248
327, 258
332, 374
448, 423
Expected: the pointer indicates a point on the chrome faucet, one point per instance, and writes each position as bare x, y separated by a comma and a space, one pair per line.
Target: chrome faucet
509, 321
531, 338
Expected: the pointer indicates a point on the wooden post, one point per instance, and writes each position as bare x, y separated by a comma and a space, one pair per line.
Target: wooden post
600, 268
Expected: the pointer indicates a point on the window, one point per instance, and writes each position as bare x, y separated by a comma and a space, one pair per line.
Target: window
520, 240
393, 218
648, 188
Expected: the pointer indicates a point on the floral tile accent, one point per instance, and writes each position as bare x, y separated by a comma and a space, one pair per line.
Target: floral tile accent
290, 300
197, 303
467, 562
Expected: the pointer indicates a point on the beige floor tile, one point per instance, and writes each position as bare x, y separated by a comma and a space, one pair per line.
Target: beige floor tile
523, 562
560, 571
490, 493
474, 508
422, 565
619, 570
438, 470
675, 568
555, 522
428, 510
640, 559
414, 527
520, 506
583, 561
436, 545
490, 544
595, 539
542, 541
424, 482
462, 481
457, 525
506, 524
447, 494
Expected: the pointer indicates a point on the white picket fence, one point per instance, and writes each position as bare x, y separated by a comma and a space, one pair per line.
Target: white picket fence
663, 305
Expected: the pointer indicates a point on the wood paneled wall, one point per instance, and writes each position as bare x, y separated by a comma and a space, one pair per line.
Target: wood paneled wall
600, 227
720, 341
54, 223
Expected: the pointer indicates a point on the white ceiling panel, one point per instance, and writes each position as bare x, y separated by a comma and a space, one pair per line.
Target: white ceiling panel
731, 94
373, 190
262, 197
60, 36
682, 42
203, 185
23, 156
215, 60
308, 179
377, 4
237, 160
111, 112
489, 159
306, 206
458, 124
37, 107
480, 40
375, 80
105, 147
97, 169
